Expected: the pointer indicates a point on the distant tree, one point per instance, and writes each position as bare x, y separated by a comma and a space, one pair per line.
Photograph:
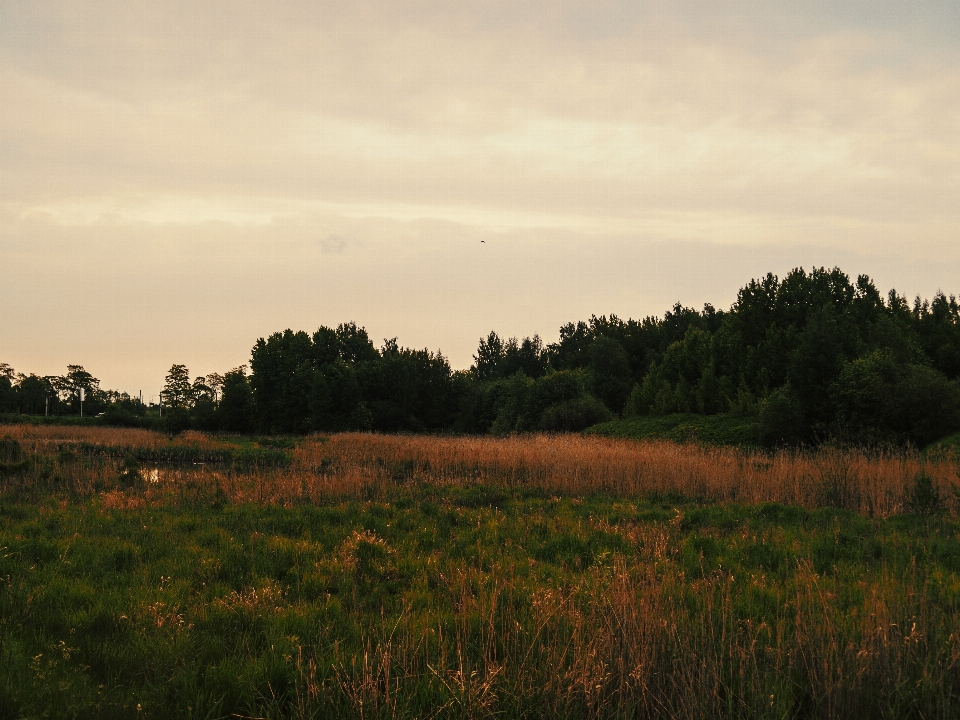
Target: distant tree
799, 353
685, 380
570, 351
236, 410
77, 378
554, 389
937, 325
354, 344
177, 389
7, 394
283, 367
204, 406
326, 346
122, 410
407, 389
200, 389
863, 399
510, 402
215, 382
490, 353
123, 401
497, 359
609, 372
33, 394
69, 386
826, 343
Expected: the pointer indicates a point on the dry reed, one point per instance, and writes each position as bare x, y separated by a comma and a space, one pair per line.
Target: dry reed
877, 484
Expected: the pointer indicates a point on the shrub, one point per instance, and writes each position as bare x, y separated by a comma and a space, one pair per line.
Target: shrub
781, 418
575, 415
924, 498
928, 404
12, 457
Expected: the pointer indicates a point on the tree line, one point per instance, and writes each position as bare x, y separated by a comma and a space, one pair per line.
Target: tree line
812, 356
65, 394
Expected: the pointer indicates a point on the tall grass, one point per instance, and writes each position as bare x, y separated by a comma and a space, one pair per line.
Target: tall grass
629, 641
872, 483
876, 484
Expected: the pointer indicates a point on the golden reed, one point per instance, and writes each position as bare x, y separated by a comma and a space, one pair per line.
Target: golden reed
875, 483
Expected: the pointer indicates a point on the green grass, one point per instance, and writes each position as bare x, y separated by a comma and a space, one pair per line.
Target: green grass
949, 443
710, 429
406, 597
462, 599
246, 454
67, 420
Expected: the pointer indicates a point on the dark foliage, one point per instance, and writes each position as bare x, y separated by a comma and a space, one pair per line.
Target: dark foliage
806, 358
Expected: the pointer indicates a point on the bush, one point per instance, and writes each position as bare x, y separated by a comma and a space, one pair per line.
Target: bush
636, 405
924, 497
176, 420
864, 399
12, 457
878, 400
782, 419
10, 450
928, 404
117, 416
574, 415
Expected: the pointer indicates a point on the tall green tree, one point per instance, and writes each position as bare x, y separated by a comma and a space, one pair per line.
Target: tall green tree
7, 394
609, 372
69, 388
34, 393
283, 366
236, 411
177, 388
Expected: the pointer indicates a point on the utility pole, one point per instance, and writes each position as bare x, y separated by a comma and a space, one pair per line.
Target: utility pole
81, 402
161, 405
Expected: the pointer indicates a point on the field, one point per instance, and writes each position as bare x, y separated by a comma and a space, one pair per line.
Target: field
406, 576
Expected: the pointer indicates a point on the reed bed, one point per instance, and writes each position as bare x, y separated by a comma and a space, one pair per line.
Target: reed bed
38, 438
873, 483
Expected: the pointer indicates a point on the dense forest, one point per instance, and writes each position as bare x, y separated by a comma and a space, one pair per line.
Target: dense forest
812, 356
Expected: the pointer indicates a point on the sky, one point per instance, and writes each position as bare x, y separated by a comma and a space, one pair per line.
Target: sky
178, 179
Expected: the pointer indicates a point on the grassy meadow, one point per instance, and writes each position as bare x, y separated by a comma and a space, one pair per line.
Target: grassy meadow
373, 576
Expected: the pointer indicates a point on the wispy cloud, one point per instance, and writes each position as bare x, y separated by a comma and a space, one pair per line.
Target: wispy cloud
328, 126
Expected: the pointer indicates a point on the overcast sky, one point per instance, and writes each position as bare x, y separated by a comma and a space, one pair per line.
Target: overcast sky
178, 179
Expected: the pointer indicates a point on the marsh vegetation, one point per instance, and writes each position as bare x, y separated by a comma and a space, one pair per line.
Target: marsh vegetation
361, 575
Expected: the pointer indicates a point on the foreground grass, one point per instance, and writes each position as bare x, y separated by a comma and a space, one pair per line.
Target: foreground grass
415, 595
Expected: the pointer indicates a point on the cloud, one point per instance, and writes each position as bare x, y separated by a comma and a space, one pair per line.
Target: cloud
335, 244
258, 144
